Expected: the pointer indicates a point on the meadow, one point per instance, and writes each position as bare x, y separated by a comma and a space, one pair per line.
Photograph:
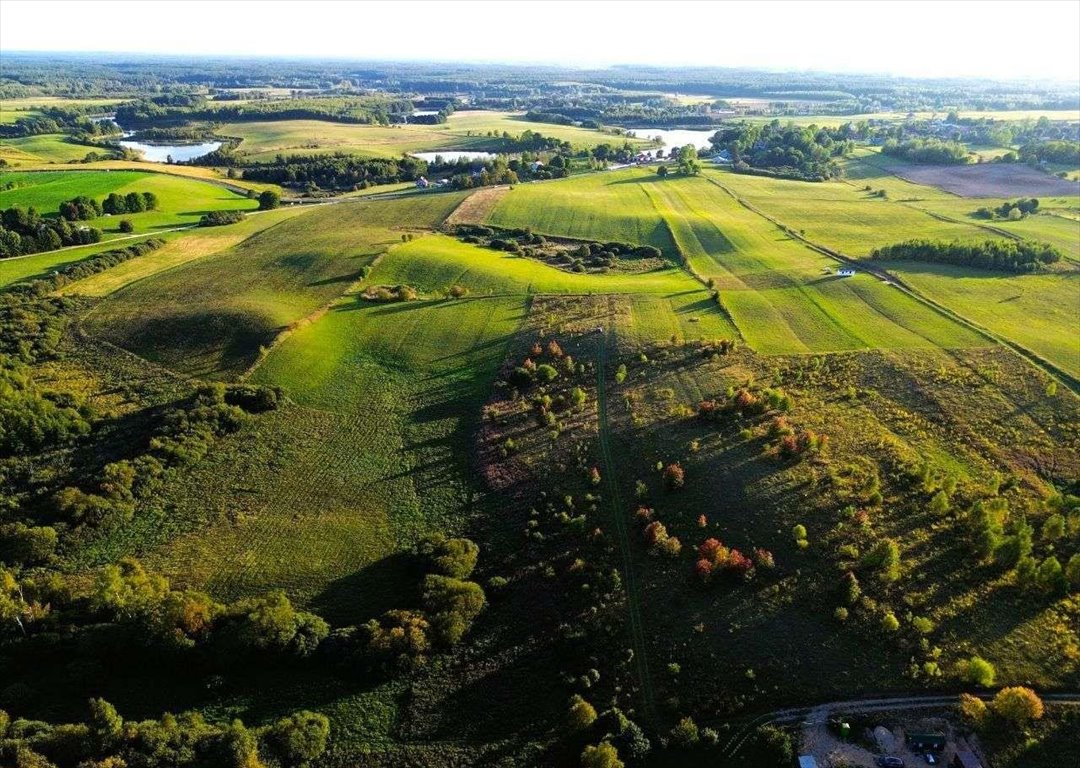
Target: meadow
44, 149
182, 201
262, 141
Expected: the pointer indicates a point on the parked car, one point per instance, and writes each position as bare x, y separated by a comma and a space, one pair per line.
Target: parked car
930, 759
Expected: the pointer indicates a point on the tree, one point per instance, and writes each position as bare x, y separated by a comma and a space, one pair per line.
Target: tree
662, 171
134, 202
1051, 576
973, 709
1018, 705
300, 737
450, 557
685, 733
582, 714
889, 622
977, 670
674, 476
1072, 571
268, 200
689, 165
603, 755
126, 226
1053, 528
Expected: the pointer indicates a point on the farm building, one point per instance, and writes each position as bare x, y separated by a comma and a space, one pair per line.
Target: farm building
845, 272
421, 183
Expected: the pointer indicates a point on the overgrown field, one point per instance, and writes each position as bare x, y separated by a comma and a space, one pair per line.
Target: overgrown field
211, 316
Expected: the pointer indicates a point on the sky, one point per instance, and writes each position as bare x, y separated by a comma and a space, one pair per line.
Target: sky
999, 39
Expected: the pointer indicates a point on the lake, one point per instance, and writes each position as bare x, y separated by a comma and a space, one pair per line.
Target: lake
675, 138
160, 153
452, 156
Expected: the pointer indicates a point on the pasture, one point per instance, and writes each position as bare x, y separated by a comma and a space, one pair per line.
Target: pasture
181, 200
262, 141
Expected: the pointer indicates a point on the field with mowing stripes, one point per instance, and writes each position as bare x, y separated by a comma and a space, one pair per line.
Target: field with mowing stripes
774, 288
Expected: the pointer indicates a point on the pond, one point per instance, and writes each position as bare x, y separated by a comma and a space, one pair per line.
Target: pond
675, 138
160, 153
452, 156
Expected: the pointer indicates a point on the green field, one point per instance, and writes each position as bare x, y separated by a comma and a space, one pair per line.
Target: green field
462, 131
181, 201
211, 316
48, 148
776, 290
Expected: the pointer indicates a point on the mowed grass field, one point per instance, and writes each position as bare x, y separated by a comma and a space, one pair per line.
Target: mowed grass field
209, 317
181, 201
1037, 312
463, 131
774, 288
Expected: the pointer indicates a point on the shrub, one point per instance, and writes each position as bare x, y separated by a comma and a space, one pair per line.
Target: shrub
977, 670
582, 714
546, 373
220, 218
674, 477
603, 755
889, 622
453, 605
299, 738
126, 226
685, 733
973, 709
885, 558
268, 200
449, 557
840, 614
1017, 706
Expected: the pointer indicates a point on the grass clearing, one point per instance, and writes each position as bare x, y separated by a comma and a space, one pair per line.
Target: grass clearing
48, 148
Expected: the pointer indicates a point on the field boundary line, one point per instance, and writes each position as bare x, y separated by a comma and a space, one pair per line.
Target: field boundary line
1052, 369
637, 633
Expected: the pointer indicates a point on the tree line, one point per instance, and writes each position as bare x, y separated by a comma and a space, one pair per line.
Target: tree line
1019, 256
928, 150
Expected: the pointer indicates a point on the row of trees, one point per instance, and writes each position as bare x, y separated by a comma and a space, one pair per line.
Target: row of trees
1020, 256
929, 150
187, 740
24, 230
132, 202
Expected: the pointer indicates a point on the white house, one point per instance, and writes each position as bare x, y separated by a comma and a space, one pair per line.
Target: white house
845, 272
421, 183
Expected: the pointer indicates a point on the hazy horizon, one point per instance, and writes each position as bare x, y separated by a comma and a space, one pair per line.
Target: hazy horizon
924, 40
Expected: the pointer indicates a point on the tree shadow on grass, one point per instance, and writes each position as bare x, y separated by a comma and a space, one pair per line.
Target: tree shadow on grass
389, 583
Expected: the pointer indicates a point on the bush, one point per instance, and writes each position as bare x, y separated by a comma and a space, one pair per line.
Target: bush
269, 200
1017, 706
449, 557
126, 226
603, 755
685, 733
299, 738
581, 714
674, 476
978, 671
220, 218
453, 605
